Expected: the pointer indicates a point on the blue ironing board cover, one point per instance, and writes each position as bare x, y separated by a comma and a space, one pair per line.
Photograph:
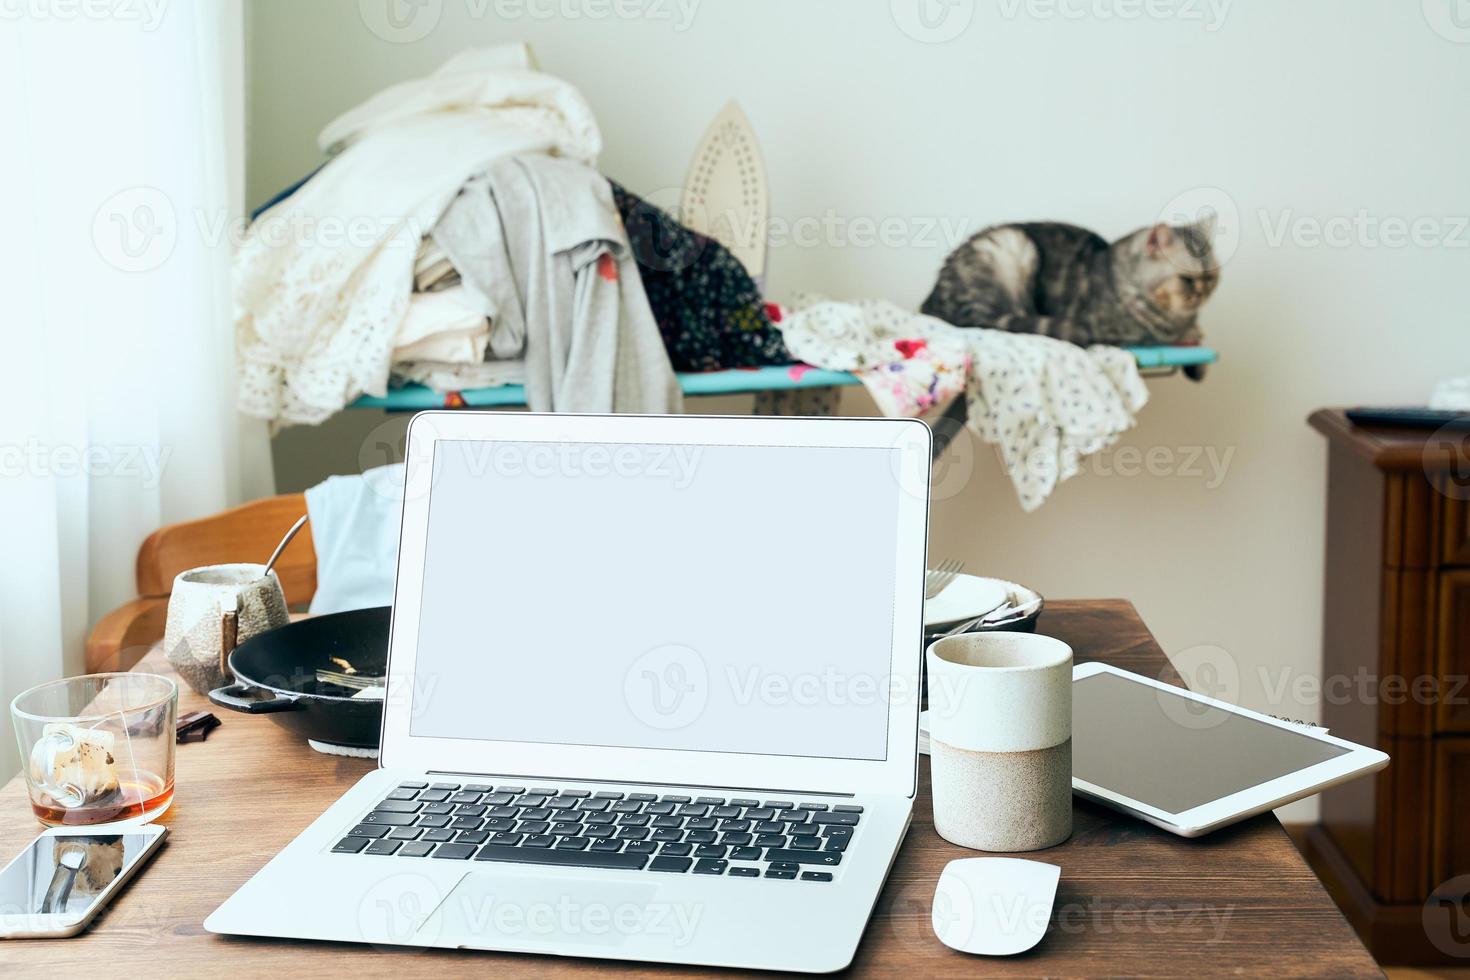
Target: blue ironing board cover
784, 377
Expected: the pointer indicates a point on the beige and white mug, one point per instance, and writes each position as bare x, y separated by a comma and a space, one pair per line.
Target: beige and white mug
212, 610
1000, 740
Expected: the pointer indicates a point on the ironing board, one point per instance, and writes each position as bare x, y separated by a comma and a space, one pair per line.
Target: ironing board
787, 377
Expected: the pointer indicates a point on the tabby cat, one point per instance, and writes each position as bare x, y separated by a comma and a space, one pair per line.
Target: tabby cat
1066, 282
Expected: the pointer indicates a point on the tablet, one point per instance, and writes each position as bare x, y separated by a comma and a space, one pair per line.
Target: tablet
1191, 764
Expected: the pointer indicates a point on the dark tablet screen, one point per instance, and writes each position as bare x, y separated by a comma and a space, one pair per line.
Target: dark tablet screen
1174, 753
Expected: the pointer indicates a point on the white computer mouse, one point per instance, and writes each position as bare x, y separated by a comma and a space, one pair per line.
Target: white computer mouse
994, 906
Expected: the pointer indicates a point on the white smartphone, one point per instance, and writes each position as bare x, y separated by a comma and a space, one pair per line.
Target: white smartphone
57, 885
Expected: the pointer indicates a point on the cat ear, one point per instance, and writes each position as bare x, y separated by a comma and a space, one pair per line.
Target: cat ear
1160, 237
1204, 225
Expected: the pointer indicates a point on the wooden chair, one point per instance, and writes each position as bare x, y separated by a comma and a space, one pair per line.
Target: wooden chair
249, 532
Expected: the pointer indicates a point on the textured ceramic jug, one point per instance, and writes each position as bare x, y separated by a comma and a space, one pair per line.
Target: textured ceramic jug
214, 609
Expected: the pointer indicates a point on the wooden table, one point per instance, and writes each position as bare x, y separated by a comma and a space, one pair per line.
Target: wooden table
1133, 900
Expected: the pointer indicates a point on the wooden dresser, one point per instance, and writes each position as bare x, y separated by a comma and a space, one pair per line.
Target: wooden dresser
1396, 658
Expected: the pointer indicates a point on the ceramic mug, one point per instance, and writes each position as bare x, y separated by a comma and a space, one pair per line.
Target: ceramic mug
214, 609
1000, 740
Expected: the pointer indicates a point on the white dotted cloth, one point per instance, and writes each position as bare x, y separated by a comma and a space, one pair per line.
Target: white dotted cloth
1044, 403
1048, 404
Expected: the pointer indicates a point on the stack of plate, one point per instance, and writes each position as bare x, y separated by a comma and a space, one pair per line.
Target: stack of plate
969, 596
964, 598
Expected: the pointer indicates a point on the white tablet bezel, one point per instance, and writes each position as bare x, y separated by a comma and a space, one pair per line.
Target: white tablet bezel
1359, 760
895, 774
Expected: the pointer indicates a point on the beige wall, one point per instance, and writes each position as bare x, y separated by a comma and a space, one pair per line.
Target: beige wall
1309, 115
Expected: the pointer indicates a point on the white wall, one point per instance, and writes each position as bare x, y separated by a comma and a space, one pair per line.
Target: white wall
1304, 112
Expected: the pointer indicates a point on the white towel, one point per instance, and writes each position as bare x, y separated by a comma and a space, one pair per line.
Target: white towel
354, 529
445, 326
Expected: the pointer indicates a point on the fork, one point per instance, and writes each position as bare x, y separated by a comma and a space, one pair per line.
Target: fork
936, 580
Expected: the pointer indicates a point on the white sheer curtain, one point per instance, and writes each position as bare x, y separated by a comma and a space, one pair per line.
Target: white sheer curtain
121, 131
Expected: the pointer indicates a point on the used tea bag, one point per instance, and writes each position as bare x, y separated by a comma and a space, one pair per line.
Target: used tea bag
80, 763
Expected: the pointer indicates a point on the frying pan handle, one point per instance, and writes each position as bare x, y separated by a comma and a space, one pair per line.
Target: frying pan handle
229, 697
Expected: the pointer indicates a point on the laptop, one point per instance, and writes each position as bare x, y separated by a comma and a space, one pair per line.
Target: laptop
652, 694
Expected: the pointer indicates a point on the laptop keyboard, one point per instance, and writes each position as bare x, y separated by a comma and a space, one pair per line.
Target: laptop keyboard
738, 837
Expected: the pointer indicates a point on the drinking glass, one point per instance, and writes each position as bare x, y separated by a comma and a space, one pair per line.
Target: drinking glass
97, 748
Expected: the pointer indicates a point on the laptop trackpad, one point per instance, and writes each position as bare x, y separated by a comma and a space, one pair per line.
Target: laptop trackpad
510, 909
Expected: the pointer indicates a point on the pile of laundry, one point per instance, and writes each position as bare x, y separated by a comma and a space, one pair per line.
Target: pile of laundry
460, 235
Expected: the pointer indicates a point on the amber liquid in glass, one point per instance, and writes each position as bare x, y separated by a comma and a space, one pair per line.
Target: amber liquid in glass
141, 793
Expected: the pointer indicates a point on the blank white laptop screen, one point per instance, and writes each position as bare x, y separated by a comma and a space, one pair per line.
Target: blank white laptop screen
708, 598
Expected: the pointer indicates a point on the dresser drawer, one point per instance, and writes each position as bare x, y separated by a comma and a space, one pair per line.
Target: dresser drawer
1452, 712
1451, 809
1454, 524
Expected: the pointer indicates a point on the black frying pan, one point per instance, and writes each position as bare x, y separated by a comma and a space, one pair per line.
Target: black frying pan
275, 674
